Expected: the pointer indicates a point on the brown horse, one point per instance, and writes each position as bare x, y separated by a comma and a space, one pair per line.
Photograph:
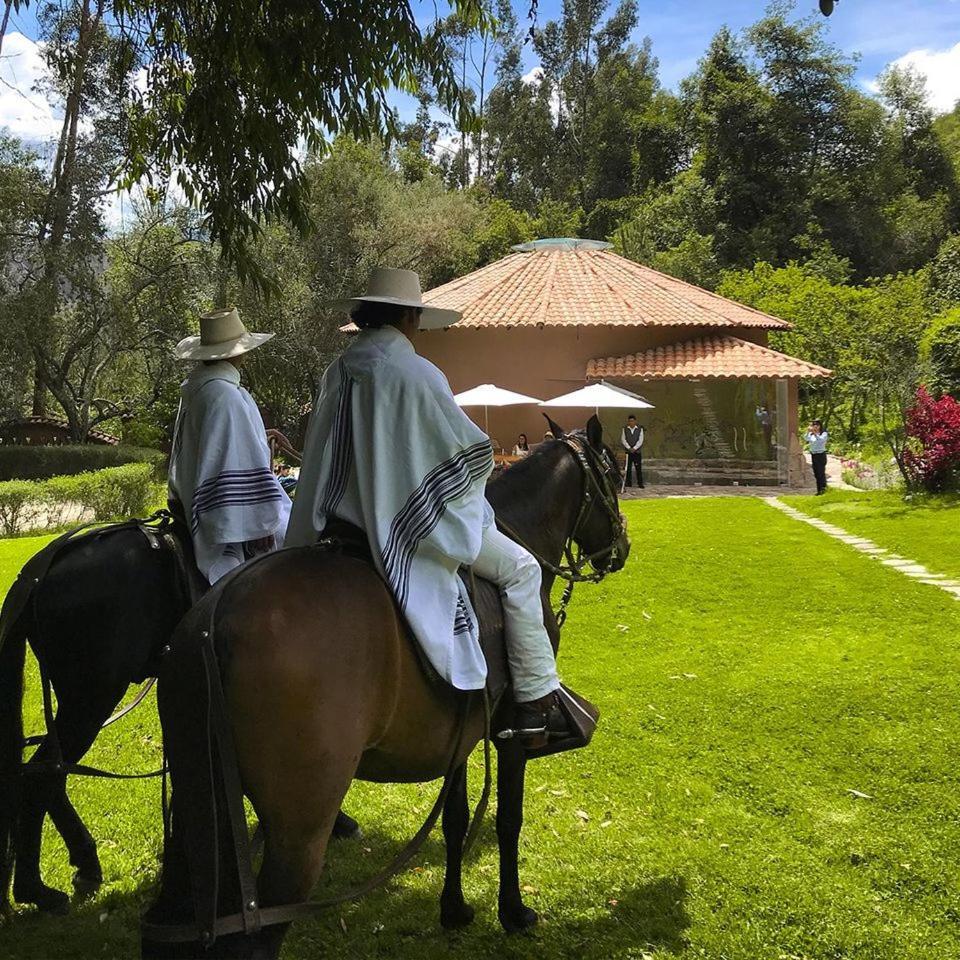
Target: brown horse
322, 685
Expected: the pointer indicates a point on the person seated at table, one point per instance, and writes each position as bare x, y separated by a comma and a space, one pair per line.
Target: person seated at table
522, 448
287, 480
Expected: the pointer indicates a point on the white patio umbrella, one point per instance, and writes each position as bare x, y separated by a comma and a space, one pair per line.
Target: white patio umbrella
599, 395
490, 395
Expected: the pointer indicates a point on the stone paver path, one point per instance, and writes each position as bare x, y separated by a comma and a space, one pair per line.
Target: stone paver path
907, 567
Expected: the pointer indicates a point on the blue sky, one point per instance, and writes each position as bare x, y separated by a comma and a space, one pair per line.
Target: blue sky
925, 33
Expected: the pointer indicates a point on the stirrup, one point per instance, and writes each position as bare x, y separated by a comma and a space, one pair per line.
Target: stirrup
512, 732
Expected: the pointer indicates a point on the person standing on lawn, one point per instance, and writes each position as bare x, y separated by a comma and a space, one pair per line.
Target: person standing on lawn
817, 438
631, 439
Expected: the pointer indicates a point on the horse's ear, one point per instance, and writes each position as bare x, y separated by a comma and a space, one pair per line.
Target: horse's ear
558, 432
595, 432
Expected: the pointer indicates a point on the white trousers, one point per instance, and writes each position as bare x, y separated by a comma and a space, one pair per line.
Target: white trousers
533, 668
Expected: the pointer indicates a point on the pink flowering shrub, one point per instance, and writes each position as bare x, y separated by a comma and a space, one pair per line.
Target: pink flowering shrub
932, 454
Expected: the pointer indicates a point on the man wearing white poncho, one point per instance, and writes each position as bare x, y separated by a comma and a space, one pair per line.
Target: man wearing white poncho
389, 451
221, 475
220, 469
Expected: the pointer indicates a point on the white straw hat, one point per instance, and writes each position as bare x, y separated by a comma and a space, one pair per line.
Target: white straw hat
222, 335
402, 289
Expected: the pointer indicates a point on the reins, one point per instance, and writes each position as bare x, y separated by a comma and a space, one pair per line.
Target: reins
576, 560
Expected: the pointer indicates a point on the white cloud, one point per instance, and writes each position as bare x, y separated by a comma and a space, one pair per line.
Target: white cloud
534, 76
942, 70
23, 111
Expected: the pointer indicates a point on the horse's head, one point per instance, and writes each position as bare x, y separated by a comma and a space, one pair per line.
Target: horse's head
600, 531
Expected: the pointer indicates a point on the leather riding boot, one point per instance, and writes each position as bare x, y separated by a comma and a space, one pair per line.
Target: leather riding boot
540, 719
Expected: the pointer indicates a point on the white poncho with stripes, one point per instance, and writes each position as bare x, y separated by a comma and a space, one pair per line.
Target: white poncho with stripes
389, 450
220, 470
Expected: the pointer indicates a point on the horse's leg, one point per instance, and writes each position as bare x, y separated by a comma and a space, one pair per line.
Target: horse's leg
77, 723
81, 846
511, 768
37, 789
454, 910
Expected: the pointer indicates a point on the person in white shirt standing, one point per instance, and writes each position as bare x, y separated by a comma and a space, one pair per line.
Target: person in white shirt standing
631, 439
220, 471
817, 438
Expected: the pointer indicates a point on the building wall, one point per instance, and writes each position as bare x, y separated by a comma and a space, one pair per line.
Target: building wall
541, 362
547, 362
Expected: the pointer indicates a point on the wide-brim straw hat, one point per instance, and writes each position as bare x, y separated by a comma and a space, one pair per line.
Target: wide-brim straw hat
401, 288
222, 335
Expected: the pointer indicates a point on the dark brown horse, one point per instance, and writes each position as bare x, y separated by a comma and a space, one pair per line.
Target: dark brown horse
322, 685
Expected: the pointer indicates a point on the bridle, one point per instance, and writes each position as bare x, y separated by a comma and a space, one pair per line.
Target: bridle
599, 485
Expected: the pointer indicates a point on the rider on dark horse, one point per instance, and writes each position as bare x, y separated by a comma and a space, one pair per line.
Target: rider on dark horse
221, 480
389, 451
220, 472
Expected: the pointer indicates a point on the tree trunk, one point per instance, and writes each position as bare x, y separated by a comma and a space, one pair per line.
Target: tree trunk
483, 75
39, 405
6, 19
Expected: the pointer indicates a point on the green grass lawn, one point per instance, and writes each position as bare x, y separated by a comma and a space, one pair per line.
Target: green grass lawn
923, 528
752, 674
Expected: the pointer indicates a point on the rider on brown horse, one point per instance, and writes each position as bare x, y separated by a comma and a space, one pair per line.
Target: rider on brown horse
389, 451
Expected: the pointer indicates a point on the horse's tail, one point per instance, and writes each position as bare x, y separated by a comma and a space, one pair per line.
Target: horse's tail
13, 646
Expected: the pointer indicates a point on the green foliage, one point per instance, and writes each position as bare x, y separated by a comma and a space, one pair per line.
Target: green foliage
367, 214
311, 71
23, 462
868, 335
499, 228
111, 494
947, 127
941, 348
669, 230
943, 275
15, 497
557, 219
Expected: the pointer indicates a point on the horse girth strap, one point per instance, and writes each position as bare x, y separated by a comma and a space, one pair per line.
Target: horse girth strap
252, 917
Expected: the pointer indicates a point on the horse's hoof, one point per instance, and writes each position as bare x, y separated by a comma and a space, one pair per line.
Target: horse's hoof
515, 920
456, 915
46, 899
85, 885
346, 828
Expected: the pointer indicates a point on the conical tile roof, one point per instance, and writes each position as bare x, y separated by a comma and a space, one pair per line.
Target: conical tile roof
563, 287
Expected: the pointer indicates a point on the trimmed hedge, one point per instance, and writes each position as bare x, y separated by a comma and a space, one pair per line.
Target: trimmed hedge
112, 494
25, 462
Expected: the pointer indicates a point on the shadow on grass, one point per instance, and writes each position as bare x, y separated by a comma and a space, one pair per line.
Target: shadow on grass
398, 920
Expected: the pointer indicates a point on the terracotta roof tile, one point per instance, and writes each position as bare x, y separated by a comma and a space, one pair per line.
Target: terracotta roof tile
565, 288
714, 356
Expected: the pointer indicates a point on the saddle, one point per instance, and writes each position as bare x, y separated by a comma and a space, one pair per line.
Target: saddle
339, 535
580, 715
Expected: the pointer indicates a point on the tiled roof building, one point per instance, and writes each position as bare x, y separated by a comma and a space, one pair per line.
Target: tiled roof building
556, 314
